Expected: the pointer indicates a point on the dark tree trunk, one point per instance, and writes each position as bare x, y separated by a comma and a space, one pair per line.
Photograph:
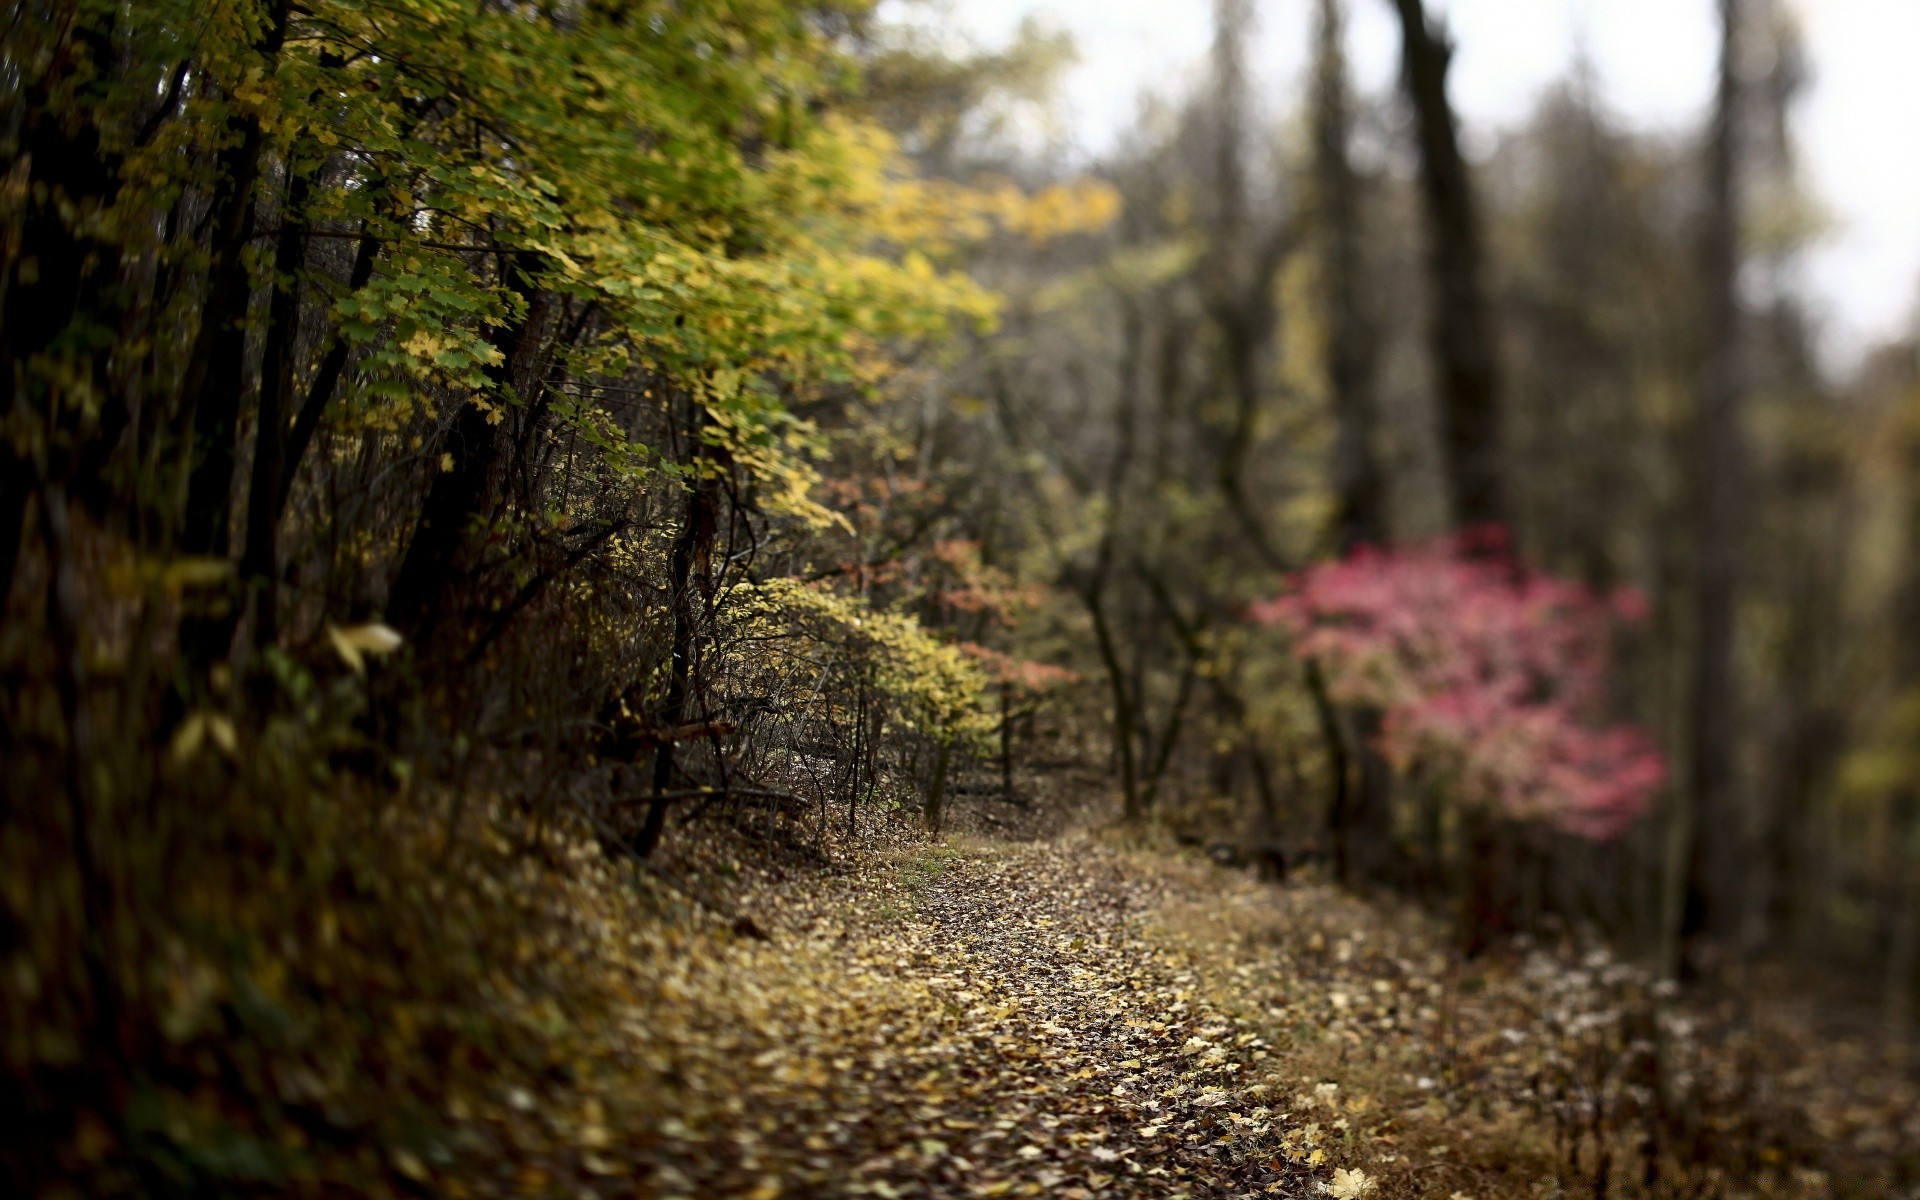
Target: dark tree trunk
1240, 274
1357, 477
1483, 908
1464, 350
1360, 808
688, 574
1094, 597
1093, 589
215, 373
1713, 825
1902, 887
320, 392
1903, 917
935, 810
1006, 741
1339, 773
213, 384
259, 561
1465, 356
418, 598
60, 290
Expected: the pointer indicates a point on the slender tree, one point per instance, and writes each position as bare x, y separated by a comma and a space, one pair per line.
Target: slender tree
1464, 346
1243, 256
1359, 814
1710, 816
1358, 481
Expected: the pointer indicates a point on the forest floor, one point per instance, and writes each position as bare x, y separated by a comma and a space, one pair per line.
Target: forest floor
1073, 1018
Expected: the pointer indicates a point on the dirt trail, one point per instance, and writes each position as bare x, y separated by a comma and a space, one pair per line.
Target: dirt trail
1068, 1019
988, 1022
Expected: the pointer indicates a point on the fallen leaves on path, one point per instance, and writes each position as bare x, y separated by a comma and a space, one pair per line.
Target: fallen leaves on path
993, 1023
1071, 1019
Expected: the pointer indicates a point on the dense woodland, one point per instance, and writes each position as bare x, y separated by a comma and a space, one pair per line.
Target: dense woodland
479, 472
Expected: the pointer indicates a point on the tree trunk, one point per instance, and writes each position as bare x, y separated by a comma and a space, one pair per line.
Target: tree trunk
1123, 714
1902, 888
1357, 478
1464, 349
1093, 591
1712, 821
259, 561
1903, 923
692, 551
1484, 911
216, 371
213, 385
59, 286
418, 597
937, 789
1240, 274
1006, 741
1340, 819
320, 392
215, 374
1465, 356
1361, 803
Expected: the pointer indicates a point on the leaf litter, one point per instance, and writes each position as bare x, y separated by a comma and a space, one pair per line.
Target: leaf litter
1073, 1018
986, 1022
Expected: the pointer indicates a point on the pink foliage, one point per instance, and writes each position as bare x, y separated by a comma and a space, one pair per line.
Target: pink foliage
1489, 676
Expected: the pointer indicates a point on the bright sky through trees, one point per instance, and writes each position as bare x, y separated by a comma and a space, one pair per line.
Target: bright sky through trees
1654, 60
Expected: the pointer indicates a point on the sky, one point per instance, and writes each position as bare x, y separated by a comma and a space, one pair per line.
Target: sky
1858, 125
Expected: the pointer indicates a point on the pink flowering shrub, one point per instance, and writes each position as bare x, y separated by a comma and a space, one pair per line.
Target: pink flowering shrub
1488, 677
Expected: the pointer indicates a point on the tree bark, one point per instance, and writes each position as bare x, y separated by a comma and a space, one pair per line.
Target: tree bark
215, 374
1360, 807
1903, 918
259, 560
1094, 597
320, 390
417, 600
60, 285
692, 550
1357, 478
1465, 355
1464, 346
1712, 818
213, 384
937, 789
1240, 272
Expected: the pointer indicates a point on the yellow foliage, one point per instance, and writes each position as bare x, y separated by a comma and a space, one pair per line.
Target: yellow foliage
939, 689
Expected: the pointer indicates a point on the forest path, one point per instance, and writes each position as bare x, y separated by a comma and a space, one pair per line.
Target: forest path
990, 1020
1075, 1019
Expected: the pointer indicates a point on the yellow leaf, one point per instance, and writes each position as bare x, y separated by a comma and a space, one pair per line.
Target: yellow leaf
353, 643
408, 1163
187, 738
194, 732
222, 733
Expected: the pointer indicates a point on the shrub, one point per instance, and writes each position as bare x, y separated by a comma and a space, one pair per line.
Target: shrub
1489, 677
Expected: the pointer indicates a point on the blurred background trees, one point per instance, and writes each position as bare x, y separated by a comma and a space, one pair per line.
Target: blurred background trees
624, 418
1592, 336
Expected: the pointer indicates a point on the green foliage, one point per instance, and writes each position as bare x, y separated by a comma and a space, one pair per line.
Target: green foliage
664, 164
